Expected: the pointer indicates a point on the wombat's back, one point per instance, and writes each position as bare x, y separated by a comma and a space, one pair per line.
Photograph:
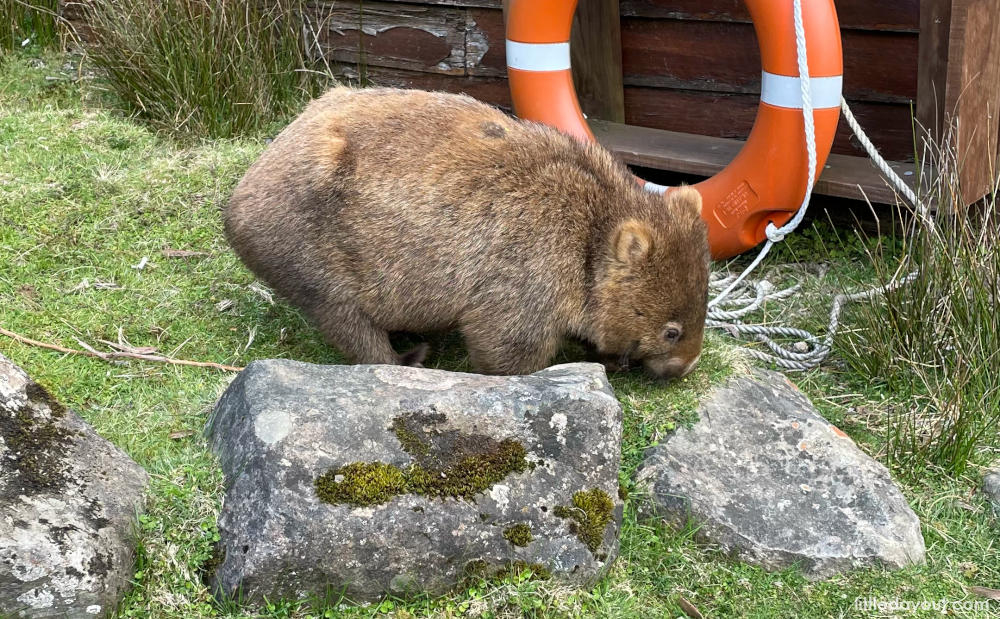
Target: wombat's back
414, 203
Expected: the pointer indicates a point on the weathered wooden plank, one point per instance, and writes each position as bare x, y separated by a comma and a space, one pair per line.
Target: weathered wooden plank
74, 14
932, 63
492, 90
724, 57
898, 15
847, 177
487, 4
487, 36
975, 83
596, 51
435, 39
960, 84
732, 115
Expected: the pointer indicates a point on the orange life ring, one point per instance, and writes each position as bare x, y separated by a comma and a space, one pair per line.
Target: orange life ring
766, 182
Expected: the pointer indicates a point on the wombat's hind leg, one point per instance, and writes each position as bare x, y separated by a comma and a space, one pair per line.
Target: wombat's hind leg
510, 353
415, 356
354, 334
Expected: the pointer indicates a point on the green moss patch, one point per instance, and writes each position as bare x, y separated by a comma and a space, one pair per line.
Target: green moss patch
361, 484
470, 475
482, 570
412, 443
36, 447
447, 463
516, 568
519, 534
590, 514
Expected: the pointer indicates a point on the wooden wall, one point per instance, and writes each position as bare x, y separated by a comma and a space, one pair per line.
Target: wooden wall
689, 65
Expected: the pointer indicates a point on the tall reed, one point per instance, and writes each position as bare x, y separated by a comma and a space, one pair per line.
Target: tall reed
217, 68
23, 22
936, 341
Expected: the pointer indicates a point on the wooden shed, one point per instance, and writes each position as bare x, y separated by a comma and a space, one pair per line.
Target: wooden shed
675, 84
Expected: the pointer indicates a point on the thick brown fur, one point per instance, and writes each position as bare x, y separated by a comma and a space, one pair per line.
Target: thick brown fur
393, 210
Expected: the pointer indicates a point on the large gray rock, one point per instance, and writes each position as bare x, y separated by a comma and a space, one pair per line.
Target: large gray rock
528, 452
991, 487
770, 481
68, 500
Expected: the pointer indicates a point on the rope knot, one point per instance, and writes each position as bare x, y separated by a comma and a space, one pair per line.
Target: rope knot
774, 234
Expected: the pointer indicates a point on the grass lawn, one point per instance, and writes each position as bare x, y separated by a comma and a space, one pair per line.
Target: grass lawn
87, 196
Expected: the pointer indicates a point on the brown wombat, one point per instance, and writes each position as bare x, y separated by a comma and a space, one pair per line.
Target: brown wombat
395, 210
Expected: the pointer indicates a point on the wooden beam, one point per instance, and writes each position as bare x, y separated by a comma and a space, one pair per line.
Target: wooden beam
843, 176
959, 84
596, 50
596, 55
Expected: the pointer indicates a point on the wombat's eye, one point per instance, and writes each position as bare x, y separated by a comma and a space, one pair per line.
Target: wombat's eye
672, 334
638, 313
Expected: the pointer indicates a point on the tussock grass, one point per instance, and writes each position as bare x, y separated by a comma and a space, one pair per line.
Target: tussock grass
937, 339
31, 21
215, 68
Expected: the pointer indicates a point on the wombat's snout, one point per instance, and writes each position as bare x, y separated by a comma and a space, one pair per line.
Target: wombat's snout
667, 367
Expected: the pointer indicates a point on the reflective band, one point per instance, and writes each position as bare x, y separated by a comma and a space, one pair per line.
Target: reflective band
784, 91
654, 188
539, 56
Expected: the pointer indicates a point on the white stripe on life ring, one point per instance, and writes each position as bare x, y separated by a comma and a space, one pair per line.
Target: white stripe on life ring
784, 91
538, 56
654, 188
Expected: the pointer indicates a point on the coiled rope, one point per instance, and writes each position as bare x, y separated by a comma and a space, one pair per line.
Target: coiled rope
747, 296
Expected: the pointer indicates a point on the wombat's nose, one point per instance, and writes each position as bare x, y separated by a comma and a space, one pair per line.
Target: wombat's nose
671, 367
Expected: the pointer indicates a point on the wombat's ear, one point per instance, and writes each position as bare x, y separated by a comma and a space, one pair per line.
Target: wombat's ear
633, 241
686, 199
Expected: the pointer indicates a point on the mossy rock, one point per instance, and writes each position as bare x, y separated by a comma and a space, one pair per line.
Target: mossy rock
70, 492
388, 480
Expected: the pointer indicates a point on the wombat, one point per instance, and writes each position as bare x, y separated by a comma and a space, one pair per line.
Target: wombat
383, 210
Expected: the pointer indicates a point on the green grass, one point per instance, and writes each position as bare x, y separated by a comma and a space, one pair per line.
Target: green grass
85, 194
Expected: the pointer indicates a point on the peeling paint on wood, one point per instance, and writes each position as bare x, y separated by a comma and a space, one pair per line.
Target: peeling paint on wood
429, 38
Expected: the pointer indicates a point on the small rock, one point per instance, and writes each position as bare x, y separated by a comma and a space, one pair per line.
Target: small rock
427, 478
800, 347
991, 487
68, 500
769, 480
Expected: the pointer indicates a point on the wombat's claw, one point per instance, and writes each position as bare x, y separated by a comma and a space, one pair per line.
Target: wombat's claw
415, 356
613, 366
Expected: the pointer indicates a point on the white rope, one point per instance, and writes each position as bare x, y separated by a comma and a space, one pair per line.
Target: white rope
809, 351
876, 158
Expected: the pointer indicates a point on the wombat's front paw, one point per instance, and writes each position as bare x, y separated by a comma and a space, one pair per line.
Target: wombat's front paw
415, 356
611, 363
